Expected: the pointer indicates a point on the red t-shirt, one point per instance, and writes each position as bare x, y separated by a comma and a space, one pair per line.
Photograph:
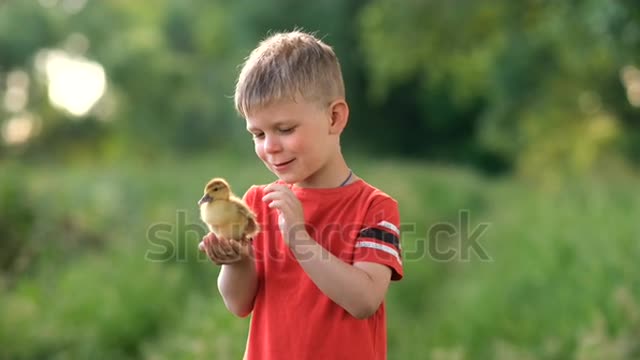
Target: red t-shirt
291, 317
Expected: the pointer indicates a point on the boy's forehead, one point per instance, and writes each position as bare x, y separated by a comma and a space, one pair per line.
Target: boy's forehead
276, 113
255, 125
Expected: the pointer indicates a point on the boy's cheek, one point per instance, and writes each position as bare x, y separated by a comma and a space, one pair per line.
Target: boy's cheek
259, 152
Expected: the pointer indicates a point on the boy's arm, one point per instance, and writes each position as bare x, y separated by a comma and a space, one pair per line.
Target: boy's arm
238, 283
357, 288
238, 279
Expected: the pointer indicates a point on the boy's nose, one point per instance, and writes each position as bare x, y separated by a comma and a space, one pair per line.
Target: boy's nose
272, 144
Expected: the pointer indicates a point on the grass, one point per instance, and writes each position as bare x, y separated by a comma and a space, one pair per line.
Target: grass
562, 282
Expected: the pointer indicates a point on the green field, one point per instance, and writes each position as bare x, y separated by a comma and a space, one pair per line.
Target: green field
83, 274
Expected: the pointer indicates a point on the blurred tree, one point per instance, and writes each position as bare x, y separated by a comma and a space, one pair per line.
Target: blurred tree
167, 65
535, 84
545, 74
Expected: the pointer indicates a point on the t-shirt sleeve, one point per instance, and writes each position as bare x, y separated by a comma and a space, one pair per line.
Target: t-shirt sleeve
378, 240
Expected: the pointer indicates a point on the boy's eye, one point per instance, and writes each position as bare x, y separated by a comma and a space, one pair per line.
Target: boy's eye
287, 130
258, 136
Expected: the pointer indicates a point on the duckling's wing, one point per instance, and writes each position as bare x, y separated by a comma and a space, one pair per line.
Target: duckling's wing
252, 224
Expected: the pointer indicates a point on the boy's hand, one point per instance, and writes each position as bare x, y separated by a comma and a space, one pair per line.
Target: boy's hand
291, 219
222, 251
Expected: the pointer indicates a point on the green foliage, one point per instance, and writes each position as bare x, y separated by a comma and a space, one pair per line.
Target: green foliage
537, 86
562, 272
561, 283
17, 217
96, 307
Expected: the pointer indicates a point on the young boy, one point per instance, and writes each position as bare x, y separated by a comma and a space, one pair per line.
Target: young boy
315, 277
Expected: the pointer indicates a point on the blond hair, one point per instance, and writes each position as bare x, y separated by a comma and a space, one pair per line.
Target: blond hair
286, 66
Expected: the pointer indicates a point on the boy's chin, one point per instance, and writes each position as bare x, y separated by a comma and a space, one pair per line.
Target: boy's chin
287, 178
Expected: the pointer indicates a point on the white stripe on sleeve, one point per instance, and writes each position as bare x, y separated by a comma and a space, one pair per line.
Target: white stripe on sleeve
377, 246
389, 226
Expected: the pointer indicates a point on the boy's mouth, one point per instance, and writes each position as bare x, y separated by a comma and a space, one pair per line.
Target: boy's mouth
282, 164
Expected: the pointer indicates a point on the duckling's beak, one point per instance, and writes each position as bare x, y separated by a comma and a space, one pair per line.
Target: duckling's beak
205, 199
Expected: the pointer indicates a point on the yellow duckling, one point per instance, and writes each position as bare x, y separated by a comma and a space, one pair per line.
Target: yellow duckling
225, 214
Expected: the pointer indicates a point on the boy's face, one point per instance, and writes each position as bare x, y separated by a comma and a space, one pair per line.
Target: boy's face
293, 139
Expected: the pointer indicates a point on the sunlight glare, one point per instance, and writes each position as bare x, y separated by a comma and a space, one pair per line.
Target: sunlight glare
17, 94
73, 6
19, 129
75, 83
631, 79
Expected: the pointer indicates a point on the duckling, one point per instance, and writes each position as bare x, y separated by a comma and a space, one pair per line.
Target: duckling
225, 214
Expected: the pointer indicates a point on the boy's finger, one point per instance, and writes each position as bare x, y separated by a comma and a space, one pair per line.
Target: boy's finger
241, 249
216, 258
271, 197
269, 188
225, 245
226, 258
217, 253
209, 253
276, 204
207, 241
278, 189
212, 252
225, 251
210, 237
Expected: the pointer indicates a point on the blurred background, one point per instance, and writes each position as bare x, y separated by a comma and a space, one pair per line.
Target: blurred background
517, 123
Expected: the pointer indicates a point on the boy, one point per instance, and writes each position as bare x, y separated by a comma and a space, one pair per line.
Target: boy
315, 277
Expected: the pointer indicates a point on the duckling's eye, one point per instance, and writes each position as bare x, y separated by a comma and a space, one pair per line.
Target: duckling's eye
216, 188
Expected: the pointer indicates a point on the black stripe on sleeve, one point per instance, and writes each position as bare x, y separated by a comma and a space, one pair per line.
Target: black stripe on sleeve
381, 235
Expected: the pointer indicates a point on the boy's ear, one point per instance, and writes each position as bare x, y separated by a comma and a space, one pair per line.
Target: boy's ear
339, 115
